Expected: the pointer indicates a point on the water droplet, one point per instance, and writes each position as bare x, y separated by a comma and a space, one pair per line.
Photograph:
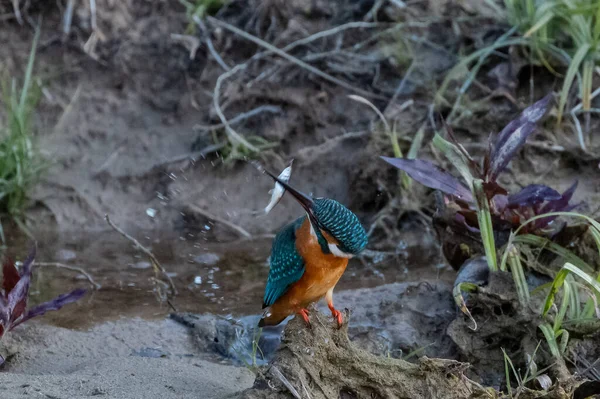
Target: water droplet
141, 265
151, 212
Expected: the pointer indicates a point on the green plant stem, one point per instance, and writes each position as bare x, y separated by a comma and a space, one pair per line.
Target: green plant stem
516, 269
485, 224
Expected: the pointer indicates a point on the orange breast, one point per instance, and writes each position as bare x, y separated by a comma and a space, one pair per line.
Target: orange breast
322, 271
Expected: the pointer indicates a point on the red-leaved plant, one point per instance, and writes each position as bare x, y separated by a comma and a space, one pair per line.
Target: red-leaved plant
508, 211
14, 294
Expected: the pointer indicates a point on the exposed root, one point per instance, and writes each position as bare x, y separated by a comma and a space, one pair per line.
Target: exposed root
323, 362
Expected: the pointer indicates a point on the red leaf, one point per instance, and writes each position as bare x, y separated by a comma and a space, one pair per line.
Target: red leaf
10, 275
514, 135
17, 299
431, 176
532, 195
54, 304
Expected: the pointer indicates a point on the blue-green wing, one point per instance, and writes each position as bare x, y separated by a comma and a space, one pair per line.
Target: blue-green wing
287, 266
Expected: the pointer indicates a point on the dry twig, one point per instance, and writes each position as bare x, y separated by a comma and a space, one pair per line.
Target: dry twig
17, 11
290, 58
242, 117
155, 263
209, 44
72, 268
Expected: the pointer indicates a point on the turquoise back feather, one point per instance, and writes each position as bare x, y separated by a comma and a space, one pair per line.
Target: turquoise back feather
287, 266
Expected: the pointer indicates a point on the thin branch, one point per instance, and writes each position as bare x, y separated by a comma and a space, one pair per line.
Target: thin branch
17, 11
241, 117
93, 18
72, 268
241, 231
329, 32
192, 43
314, 152
234, 136
68, 17
145, 250
209, 44
291, 58
231, 133
400, 87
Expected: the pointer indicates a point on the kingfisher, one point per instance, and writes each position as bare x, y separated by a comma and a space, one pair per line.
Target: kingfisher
309, 256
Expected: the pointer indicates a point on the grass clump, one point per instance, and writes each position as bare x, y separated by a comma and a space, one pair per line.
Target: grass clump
20, 163
572, 26
557, 34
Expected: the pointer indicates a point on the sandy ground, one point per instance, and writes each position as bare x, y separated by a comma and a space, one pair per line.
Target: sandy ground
125, 359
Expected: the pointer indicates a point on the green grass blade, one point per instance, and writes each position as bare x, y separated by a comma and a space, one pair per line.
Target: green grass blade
591, 221
417, 143
508, 362
586, 84
541, 242
597, 23
564, 341
464, 63
564, 305
559, 279
583, 275
485, 224
551, 340
571, 72
541, 23
29, 72
518, 274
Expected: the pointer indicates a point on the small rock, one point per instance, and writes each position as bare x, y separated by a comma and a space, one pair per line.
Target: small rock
149, 352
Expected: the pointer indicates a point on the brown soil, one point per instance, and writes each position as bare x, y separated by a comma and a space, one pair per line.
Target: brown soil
121, 119
118, 121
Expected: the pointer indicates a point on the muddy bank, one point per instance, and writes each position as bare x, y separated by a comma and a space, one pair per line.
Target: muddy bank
125, 359
125, 121
393, 320
130, 124
323, 363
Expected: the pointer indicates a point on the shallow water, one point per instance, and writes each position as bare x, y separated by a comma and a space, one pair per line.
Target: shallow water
218, 278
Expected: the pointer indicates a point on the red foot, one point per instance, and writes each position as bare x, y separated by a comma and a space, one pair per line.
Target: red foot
337, 315
304, 314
